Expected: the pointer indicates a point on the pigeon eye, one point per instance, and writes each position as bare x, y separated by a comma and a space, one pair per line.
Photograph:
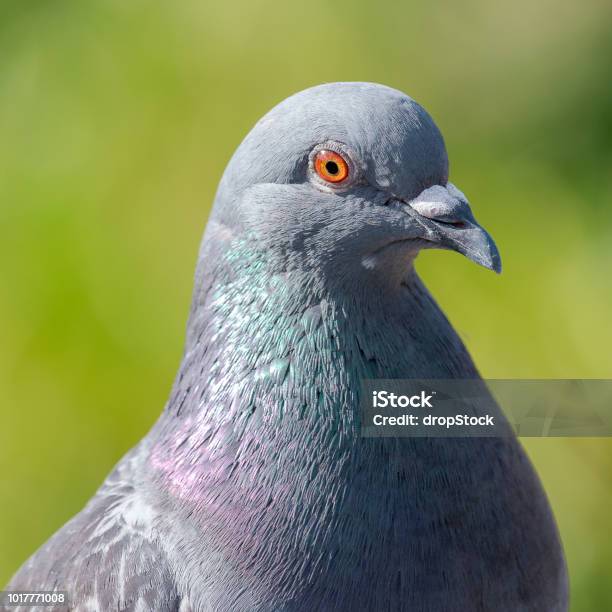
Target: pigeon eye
331, 166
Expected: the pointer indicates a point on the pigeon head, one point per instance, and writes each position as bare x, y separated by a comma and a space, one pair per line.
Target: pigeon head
347, 179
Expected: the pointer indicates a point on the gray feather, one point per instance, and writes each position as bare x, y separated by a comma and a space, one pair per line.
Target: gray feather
108, 557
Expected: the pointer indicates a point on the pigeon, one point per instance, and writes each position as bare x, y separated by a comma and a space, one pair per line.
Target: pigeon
254, 491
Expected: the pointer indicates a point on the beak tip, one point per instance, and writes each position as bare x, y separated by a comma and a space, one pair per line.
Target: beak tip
496, 259
496, 264
493, 261
490, 263
485, 252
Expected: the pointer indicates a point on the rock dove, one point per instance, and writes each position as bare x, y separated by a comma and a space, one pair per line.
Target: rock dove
254, 491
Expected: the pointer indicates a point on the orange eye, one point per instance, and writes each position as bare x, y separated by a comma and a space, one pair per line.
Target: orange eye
330, 166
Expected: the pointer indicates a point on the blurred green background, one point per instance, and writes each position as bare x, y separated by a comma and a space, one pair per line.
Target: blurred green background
116, 121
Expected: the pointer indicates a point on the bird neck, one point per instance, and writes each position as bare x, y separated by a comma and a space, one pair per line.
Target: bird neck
276, 361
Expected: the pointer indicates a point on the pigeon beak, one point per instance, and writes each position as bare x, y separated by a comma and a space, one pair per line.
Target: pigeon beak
450, 224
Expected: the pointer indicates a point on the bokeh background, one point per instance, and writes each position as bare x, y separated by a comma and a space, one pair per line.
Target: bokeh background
116, 121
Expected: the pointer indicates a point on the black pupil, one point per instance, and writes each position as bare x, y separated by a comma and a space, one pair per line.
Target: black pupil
332, 167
